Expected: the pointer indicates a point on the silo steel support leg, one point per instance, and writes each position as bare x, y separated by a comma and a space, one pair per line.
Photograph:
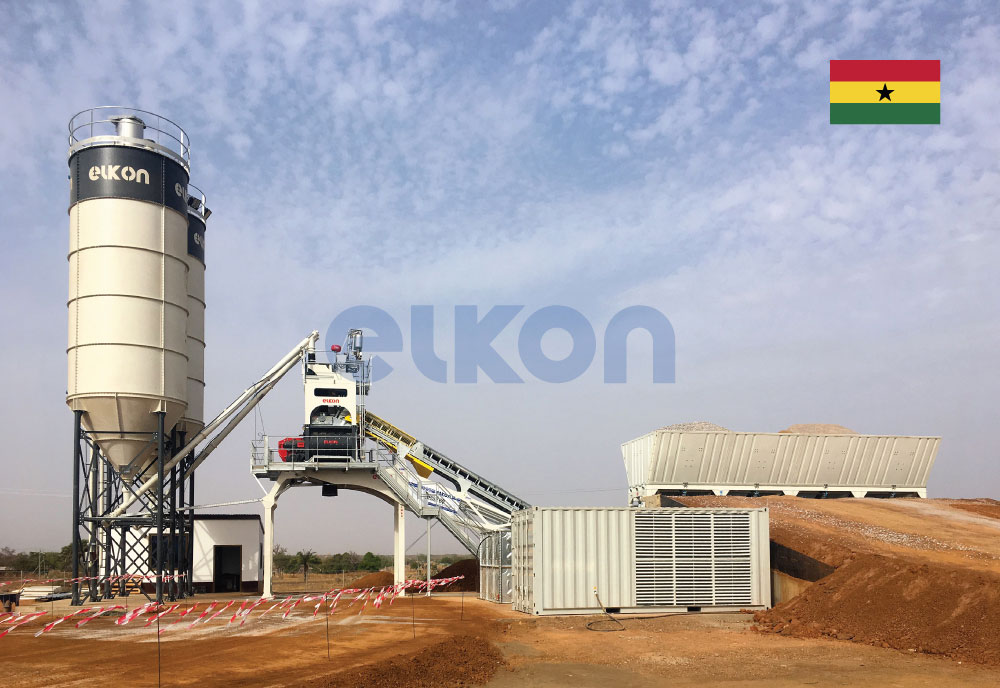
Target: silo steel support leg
108, 593
173, 538
160, 460
122, 568
185, 534
94, 543
77, 459
190, 544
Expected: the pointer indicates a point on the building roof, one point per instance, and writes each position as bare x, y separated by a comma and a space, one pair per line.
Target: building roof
231, 517
227, 517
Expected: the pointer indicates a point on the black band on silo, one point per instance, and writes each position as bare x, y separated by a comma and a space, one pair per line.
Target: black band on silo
126, 172
196, 237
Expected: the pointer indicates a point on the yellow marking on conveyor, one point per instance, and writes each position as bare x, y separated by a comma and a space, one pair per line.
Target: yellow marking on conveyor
374, 422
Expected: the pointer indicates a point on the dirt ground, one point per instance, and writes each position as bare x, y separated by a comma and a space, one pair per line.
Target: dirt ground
921, 576
915, 601
447, 640
959, 532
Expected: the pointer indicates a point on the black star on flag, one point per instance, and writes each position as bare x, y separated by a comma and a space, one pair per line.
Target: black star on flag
884, 92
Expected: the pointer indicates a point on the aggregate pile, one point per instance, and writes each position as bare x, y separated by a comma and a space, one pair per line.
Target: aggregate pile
919, 576
818, 429
695, 426
463, 567
379, 579
459, 661
892, 602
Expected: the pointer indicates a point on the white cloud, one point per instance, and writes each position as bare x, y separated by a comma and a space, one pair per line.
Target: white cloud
677, 156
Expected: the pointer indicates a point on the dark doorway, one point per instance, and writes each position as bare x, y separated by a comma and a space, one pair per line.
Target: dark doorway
228, 564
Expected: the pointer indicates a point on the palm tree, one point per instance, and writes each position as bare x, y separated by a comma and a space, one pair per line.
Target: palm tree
306, 558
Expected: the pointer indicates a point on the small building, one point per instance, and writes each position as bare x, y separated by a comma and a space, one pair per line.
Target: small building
228, 553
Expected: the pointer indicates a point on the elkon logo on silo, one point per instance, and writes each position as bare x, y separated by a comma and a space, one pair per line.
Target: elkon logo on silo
110, 173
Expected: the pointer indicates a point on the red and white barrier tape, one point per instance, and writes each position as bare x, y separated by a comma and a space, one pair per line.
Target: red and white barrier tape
86, 579
157, 612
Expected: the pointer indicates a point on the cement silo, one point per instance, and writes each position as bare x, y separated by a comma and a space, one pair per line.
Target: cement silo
193, 419
128, 280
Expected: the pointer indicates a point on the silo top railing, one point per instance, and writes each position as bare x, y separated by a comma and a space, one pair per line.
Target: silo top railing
202, 205
97, 125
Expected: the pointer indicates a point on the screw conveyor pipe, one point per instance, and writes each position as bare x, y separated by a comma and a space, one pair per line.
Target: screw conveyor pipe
253, 394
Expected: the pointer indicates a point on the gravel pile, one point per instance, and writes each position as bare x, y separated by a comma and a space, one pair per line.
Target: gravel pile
457, 661
872, 532
463, 567
888, 602
379, 579
696, 426
818, 429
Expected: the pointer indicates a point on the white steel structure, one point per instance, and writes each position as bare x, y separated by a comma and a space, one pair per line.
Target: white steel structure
344, 445
578, 560
676, 463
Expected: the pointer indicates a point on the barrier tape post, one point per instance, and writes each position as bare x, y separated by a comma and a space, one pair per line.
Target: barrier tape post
158, 662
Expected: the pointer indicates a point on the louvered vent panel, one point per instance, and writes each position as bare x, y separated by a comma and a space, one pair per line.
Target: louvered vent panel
692, 559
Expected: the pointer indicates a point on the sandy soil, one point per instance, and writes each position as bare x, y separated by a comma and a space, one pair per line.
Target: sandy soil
920, 576
450, 640
709, 650
962, 532
457, 641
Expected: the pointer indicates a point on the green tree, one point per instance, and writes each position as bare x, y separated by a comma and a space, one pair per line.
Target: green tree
65, 560
7, 556
283, 561
304, 559
370, 562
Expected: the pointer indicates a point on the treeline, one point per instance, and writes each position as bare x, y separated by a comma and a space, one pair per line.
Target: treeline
307, 561
39, 562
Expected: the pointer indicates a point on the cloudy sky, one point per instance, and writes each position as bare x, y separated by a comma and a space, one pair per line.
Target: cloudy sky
675, 155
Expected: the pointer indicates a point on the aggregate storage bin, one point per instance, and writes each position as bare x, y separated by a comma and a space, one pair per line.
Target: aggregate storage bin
639, 560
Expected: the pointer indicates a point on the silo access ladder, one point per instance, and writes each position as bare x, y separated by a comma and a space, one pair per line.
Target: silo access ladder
469, 506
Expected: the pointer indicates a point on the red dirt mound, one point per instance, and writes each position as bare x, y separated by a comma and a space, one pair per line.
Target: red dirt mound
379, 579
906, 605
463, 567
983, 507
458, 661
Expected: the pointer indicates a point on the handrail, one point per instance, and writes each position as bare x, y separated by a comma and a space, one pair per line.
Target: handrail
177, 135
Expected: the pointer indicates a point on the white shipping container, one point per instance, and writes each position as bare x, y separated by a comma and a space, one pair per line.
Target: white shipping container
639, 560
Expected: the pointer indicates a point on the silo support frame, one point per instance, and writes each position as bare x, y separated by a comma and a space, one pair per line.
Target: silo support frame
105, 547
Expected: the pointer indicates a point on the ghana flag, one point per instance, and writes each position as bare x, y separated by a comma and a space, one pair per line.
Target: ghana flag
885, 91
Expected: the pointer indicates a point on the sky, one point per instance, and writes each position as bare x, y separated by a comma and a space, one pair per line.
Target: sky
672, 155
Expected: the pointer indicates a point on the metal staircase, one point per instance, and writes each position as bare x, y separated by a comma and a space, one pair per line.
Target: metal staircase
434, 486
